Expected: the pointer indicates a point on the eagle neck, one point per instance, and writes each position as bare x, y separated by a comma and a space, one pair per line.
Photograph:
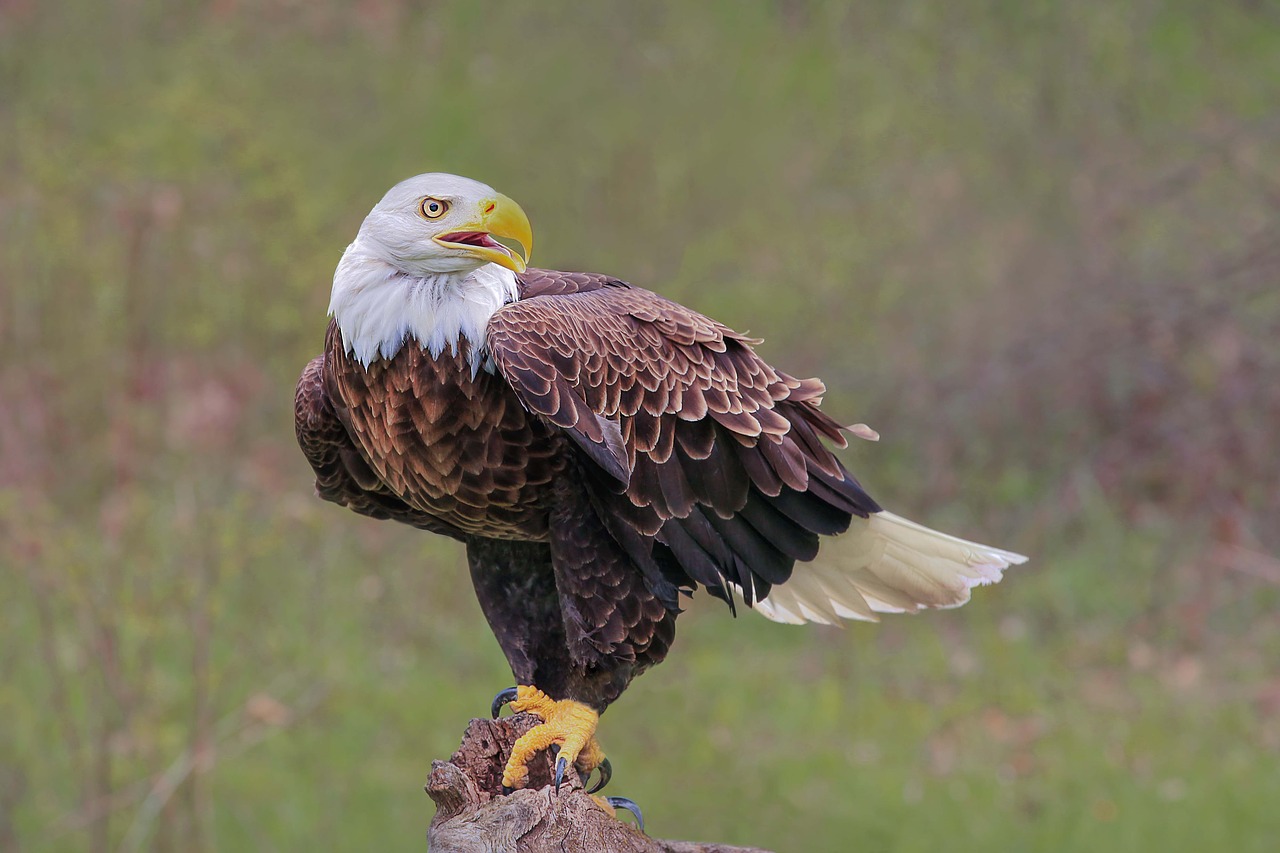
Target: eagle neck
379, 308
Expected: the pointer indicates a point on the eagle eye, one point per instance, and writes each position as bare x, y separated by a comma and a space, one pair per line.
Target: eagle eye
433, 208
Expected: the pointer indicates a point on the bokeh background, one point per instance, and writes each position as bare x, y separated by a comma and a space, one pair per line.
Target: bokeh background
1036, 245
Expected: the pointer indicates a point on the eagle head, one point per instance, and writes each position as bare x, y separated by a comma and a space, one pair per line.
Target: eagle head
439, 223
427, 266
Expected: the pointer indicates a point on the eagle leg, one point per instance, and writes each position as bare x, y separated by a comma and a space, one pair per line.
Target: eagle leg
568, 724
605, 766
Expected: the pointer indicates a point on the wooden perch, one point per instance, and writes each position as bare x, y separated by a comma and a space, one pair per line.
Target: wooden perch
473, 816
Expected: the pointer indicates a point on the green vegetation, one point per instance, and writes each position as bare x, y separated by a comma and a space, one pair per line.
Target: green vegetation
1034, 244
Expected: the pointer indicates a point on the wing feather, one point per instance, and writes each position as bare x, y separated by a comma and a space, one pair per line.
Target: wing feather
706, 427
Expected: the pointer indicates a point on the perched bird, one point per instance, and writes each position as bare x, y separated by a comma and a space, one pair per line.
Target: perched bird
599, 449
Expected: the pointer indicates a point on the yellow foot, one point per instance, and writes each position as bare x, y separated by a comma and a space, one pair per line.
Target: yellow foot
570, 724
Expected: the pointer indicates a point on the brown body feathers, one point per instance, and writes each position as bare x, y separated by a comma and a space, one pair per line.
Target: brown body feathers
618, 450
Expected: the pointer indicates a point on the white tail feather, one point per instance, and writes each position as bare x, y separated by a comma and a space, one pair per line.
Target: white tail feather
885, 564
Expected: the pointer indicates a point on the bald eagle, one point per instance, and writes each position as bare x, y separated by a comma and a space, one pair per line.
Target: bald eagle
598, 449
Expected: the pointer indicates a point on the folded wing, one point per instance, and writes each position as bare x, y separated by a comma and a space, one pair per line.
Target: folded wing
709, 465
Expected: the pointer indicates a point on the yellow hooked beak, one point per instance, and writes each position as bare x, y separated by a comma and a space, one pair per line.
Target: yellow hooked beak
498, 216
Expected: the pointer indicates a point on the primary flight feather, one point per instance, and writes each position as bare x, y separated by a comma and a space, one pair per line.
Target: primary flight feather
599, 450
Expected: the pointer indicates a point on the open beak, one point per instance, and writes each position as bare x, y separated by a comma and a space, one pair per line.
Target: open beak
499, 217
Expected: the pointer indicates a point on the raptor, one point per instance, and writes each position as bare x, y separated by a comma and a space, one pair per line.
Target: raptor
599, 450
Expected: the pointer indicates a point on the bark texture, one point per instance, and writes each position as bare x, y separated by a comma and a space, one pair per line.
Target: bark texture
473, 816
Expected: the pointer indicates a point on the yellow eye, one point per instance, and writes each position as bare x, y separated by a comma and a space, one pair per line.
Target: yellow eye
434, 208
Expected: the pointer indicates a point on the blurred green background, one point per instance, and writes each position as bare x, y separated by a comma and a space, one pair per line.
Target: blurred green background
1036, 245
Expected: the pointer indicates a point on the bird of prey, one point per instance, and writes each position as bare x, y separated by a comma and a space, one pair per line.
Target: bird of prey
599, 450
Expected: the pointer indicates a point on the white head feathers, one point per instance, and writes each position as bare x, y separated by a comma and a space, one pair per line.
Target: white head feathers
423, 267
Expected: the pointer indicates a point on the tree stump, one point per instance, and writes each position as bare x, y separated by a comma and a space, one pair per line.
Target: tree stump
473, 815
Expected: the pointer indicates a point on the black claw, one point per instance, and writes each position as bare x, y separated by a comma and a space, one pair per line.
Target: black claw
507, 791
508, 695
561, 766
606, 773
629, 805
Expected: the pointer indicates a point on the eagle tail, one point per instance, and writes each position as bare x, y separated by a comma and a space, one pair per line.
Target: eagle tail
885, 564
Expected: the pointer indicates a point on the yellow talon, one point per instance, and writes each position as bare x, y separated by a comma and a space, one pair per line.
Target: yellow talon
570, 724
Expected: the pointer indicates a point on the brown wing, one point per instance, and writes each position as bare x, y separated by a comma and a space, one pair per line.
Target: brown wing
341, 473
700, 445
